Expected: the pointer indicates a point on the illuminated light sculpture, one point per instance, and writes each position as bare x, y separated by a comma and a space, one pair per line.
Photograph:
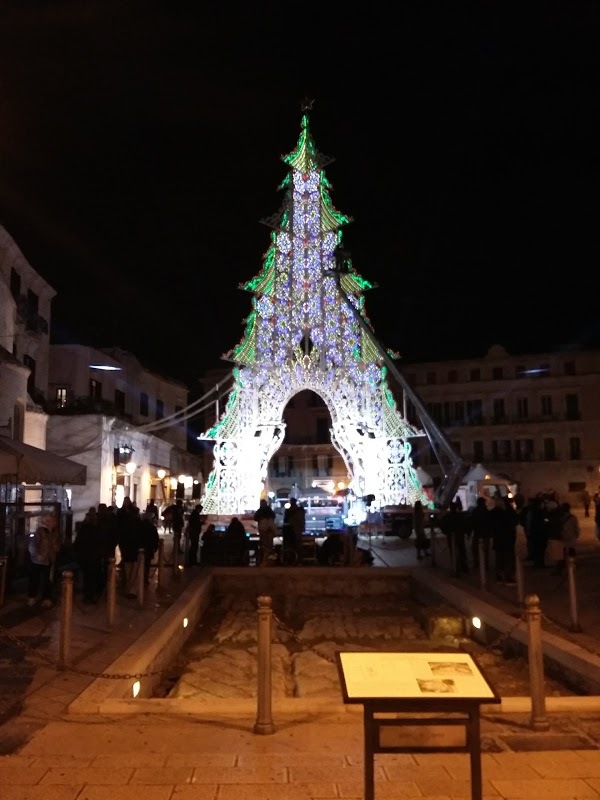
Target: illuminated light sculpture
301, 335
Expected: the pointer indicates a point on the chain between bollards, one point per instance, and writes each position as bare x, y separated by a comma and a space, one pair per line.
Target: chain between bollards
539, 720
264, 719
66, 613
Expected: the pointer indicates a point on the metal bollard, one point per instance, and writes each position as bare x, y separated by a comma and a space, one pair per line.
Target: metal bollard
111, 593
160, 562
264, 720
3, 571
539, 721
141, 561
575, 626
176, 557
66, 613
519, 578
482, 569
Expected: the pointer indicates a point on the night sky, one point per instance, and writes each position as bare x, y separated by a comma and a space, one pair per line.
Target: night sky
140, 147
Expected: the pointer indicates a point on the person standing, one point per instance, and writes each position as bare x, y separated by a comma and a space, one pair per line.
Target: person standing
298, 524
504, 519
43, 548
194, 528
128, 537
89, 551
569, 533
267, 530
152, 508
479, 522
421, 540
149, 540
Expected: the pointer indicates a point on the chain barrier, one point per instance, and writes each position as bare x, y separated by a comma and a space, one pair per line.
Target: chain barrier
6, 634
305, 647
496, 645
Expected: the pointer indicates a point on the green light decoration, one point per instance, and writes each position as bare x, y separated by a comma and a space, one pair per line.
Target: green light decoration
304, 157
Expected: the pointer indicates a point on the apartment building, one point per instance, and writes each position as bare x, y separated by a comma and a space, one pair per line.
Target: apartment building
115, 416
534, 417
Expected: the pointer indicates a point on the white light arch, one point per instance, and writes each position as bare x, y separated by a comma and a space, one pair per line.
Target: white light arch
301, 335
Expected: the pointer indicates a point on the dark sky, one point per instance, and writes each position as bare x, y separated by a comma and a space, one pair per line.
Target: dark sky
140, 147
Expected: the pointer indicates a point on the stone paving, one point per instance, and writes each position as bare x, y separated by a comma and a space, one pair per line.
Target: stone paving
314, 756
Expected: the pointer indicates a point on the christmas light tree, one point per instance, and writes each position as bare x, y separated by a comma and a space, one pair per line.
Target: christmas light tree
300, 335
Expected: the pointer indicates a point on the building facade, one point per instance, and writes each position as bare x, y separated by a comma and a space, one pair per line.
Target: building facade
25, 317
534, 417
124, 423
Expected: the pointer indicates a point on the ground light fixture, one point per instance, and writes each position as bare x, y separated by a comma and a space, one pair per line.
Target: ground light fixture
185, 622
135, 689
476, 623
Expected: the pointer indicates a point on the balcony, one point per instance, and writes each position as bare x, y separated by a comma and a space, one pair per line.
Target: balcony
34, 323
88, 405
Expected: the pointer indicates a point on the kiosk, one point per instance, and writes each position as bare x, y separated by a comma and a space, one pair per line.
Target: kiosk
422, 702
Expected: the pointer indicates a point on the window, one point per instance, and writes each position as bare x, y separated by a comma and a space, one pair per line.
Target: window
572, 406
160, 409
95, 389
474, 412
501, 450
453, 376
478, 451
522, 407
411, 378
574, 448
546, 405
143, 404
60, 397
435, 410
29, 362
447, 414
322, 466
569, 368
15, 283
549, 450
475, 374
499, 415
33, 303
120, 400
431, 379
524, 450
459, 412
497, 373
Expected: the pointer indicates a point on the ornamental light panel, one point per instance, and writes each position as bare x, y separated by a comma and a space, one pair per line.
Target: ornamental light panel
300, 334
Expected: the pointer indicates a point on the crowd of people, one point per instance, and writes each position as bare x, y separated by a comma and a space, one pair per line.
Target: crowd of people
551, 532
550, 527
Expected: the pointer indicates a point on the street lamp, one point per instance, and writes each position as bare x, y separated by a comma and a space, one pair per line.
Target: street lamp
131, 467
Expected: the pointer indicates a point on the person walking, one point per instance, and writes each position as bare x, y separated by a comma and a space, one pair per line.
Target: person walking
267, 530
